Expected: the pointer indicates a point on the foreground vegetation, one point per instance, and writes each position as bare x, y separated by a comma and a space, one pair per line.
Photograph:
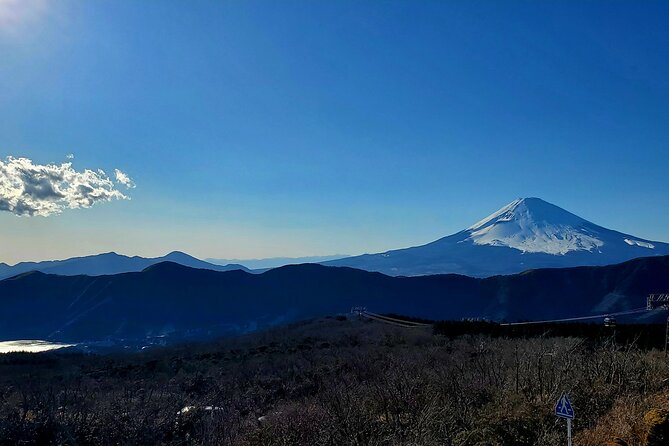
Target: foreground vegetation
338, 381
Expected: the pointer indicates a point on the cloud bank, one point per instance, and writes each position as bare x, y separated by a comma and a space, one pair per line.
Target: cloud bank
47, 189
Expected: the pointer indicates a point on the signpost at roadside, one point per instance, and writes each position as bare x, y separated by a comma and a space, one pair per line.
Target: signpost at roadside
563, 409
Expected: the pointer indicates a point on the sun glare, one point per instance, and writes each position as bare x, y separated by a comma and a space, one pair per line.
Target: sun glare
16, 13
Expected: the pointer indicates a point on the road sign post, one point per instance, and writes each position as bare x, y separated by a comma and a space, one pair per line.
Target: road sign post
563, 409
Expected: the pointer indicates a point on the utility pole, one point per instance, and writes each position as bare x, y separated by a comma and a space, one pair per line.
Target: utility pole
610, 322
660, 301
666, 338
359, 311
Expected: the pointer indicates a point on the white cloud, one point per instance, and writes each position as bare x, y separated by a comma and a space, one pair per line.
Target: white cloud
46, 189
123, 179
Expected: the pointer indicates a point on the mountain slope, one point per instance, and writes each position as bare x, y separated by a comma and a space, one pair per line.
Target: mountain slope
107, 263
527, 233
168, 298
275, 262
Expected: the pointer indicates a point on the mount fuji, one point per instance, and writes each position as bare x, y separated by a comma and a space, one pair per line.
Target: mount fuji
527, 233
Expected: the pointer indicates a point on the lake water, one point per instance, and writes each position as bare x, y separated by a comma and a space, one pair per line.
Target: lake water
31, 346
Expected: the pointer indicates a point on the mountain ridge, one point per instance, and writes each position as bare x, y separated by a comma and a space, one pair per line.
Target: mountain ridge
170, 300
107, 263
528, 233
275, 262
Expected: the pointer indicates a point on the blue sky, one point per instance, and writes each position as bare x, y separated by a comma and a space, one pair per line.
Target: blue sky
258, 129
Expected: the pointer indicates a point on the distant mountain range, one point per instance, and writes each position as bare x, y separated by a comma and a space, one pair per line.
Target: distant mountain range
107, 263
275, 262
528, 233
168, 299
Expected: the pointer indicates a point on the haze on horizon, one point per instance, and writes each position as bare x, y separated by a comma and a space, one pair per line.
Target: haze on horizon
261, 129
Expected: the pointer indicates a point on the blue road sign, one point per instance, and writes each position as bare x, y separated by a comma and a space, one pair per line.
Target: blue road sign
563, 408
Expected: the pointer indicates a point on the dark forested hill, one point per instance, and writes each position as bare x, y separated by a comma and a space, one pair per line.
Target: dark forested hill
168, 298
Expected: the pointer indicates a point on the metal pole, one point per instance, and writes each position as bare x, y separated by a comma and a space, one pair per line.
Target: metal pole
666, 338
568, 431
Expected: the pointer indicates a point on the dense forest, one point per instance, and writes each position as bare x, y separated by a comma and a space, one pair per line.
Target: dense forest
344, 381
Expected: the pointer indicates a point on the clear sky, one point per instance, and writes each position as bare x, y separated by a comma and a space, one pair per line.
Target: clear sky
288, 128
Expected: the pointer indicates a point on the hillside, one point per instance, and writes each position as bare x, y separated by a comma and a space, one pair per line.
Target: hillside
171, 300
336, 381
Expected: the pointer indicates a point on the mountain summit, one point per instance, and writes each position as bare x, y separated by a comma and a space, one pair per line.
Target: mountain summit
533, 225
527, 233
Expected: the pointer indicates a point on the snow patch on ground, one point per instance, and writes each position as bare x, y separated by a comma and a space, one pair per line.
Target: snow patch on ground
632, 242
30, 346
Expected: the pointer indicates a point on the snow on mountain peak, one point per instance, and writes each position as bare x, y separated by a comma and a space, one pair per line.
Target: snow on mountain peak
533, 225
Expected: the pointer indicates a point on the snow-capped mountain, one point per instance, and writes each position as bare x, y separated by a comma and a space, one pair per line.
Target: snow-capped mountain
527, 233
